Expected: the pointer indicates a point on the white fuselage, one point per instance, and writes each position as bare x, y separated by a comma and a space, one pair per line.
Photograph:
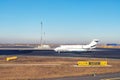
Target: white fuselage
77, 48
74, 48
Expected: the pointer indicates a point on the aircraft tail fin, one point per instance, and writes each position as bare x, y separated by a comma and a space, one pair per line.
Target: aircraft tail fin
94, 43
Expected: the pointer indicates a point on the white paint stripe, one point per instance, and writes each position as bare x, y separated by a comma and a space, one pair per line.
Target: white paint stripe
92, 66
117, 78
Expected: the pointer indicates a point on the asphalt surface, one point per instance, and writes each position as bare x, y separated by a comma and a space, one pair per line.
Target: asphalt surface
97, 53
92, 77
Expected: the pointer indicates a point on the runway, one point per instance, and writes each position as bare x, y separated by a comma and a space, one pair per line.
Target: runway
96, 53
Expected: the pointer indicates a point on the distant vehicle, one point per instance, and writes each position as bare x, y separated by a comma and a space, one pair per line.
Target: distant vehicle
77, 48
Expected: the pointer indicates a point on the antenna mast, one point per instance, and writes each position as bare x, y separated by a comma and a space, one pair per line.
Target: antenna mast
41, 33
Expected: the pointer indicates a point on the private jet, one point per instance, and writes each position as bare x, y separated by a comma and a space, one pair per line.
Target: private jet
77, 48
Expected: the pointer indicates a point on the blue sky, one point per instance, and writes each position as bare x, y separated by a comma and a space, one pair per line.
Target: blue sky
64, 21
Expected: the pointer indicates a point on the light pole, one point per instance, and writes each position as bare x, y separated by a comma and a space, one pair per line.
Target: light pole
44, 39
